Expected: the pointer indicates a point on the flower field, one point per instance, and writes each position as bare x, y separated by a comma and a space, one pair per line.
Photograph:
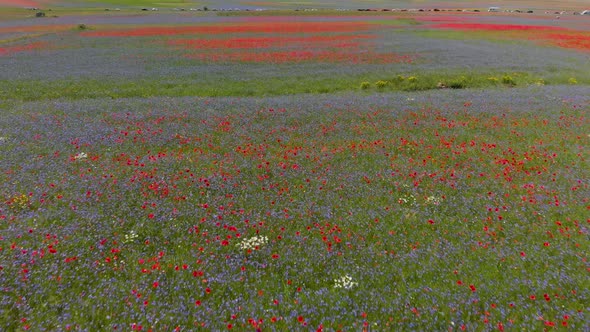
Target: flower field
329, 172
561, 37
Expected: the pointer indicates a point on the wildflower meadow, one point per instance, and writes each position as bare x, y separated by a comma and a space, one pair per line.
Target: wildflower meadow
260, 166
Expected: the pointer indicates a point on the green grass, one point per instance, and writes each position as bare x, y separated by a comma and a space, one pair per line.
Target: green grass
209, 87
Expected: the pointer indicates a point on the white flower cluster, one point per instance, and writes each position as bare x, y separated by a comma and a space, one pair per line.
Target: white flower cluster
345, 282
253, 243
408, 199
432, 200
80, 155
130, 237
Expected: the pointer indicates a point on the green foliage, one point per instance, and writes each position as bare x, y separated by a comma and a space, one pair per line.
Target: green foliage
508, 80
399, 78
381, 84
460, 83
365, 85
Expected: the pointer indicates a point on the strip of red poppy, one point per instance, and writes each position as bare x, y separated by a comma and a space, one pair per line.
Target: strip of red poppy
495, 27
577, 41
271, 42
304, 56
274, 27
21, 48
35, 28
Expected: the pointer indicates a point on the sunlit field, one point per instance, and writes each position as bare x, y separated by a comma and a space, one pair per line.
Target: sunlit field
282, 170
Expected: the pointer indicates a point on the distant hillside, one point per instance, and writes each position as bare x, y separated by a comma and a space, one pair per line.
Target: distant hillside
290, 4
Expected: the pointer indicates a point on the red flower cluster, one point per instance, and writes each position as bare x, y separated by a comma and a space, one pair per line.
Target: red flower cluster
302, 56
21, 48
557, 36
258, 27
495, 27
268, 42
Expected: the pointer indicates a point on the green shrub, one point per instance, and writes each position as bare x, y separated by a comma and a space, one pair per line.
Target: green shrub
365, 85
508, 80
460, 83
381, 84
457, 85
572, 80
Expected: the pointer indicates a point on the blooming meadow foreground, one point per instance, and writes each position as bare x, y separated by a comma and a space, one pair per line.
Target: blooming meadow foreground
378, 172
